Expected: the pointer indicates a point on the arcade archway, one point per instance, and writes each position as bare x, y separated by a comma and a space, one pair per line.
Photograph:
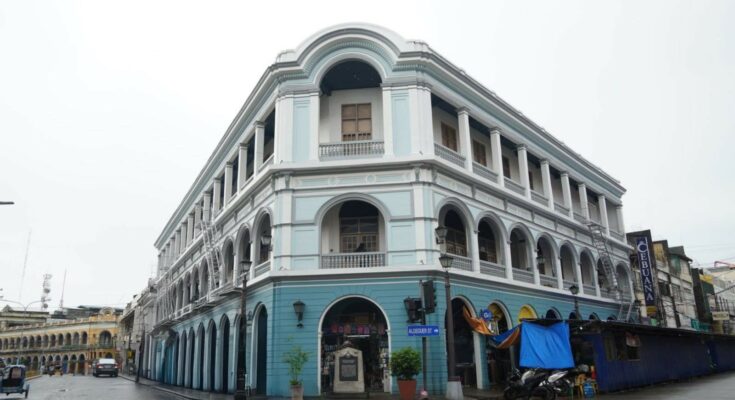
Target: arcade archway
362, 323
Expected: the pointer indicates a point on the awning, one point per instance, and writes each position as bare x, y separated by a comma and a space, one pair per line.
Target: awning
477, 324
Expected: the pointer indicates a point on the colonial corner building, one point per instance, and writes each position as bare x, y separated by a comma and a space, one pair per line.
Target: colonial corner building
70, 343
331, 180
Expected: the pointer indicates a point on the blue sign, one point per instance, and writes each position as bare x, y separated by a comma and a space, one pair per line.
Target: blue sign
423, 330
645, 262
486, 315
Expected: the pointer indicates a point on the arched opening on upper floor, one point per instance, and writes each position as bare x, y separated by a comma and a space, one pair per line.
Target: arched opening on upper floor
353, 236
351, 111
553, 313
456, 242
546, 261
105, 339
490, 245
263, 244
624, 282
606, 283
243, 251
587, 267
228, 255
204, 279
195, 289
520, 254
567, 259
76, 338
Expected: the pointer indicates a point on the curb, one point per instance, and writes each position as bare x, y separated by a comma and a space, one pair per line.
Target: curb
160, 388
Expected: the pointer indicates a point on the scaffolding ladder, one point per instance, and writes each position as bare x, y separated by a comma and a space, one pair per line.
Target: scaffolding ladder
597, 232
213, 256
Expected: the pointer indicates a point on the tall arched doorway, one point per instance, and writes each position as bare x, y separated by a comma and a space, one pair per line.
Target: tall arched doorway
464, 344
499, 360
82, 364
261, 352
361, 322
212, 355
199, 382
225, 354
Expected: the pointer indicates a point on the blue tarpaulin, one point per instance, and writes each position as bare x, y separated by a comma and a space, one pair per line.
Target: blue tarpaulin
546, 347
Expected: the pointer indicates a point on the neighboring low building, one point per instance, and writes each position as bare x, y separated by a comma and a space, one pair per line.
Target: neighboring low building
69, 343
137, 316
715, 297
11, 317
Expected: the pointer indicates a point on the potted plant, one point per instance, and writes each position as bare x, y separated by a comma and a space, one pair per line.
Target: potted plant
296, 358
405, 364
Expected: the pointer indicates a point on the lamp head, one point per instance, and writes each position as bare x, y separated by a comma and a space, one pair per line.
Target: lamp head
574, 289
446, 260
441, 234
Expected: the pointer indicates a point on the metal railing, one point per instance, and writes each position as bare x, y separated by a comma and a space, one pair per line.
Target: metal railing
262, 268
568, 283
484, 172
539, 198
449, 155
617, 235
460, 262
522, 275
358, 148
548, 281
561, 209
491, 268
579, 217
352, 260
514, 186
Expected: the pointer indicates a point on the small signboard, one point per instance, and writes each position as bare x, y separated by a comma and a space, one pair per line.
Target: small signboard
423, 330
348, 368
720, 316
486, 314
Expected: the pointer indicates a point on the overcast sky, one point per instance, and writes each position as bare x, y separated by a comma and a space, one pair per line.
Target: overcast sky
108, 111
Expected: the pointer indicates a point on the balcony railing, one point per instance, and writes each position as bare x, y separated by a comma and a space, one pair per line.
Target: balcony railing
580, 218
539, 198
567, 284
267, 162
522, 275
490, 268
484, 172
516, 187
588, 289
617, 235
358, 148
548, 281
561, 209
459, 262
262, 268
352, 260
449, 155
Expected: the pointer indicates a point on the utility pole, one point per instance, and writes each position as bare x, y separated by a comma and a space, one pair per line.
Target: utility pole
23, 272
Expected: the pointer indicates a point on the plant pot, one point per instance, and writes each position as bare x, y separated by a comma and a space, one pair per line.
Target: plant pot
407, 389
297, 392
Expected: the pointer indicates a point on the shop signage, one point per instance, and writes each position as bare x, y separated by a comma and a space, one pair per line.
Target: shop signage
348, 368
423, 330
486, 315
720, 316
647, 278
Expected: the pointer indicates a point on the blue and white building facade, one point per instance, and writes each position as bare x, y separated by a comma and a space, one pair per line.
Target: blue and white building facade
348, 154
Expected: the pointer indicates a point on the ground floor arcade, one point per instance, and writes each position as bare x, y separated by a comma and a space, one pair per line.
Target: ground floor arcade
201, 352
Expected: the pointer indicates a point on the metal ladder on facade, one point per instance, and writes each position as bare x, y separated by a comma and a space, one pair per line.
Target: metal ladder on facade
214, 259
600, 244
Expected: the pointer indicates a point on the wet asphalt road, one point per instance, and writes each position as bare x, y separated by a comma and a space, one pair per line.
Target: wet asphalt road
714, 387
70, 387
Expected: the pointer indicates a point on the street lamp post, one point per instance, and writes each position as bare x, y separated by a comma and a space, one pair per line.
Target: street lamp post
454, 386
575, 291
240, 392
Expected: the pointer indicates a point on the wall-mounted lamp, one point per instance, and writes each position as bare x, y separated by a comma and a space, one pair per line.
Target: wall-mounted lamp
298, 308
266, 240
441, 234
250, 315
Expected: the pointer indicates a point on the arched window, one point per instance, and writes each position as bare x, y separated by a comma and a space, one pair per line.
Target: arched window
519, 249
487, 243
456, 242
264, 239
567, 263
358, 227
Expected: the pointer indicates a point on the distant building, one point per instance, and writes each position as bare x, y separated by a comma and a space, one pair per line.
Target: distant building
137, 317
69, 343
715, 299
11, 317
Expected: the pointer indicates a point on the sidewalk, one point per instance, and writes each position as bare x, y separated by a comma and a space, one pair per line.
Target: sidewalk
191, 394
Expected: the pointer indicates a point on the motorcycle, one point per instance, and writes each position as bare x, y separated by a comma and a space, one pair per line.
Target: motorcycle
562, 381
528, 385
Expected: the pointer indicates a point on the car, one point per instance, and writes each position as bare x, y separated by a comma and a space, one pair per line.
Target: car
105, 366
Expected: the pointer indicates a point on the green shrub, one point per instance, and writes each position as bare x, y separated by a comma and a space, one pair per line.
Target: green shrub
295, 358
405, 363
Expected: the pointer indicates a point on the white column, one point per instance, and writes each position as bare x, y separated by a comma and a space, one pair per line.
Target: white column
228, 183
177, 244
387, 122
583, 201
197, 219
496, 153
567, 193
523, 169
207, 214
184, 237
557, 268
546, 180
596, 280
475, 249
314, 125
465, 139
190, 225
507, 259
578, 275
602, 202
242, 167
217, 202
619, 213
258, 154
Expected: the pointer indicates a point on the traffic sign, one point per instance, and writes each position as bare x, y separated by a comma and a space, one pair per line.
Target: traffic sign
423, 330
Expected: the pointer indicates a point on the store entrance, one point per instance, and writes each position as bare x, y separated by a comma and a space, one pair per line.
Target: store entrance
360, 322
464, 345
498, 360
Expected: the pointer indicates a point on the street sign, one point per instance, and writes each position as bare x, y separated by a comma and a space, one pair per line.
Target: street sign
423, 330
486, 315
